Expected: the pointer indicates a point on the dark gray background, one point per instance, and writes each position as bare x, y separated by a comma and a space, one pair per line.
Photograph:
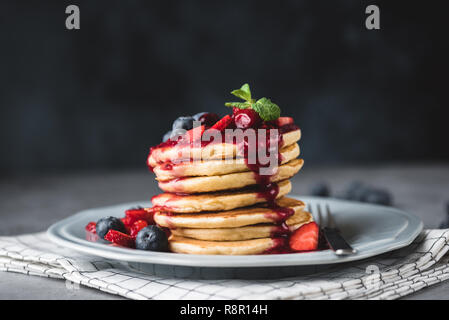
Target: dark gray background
101, 96
98, 98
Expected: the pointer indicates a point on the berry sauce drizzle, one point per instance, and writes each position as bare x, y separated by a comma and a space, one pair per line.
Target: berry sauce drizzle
267, 189
169, 165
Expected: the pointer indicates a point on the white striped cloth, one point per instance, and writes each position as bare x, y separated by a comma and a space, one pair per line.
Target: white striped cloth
397, 273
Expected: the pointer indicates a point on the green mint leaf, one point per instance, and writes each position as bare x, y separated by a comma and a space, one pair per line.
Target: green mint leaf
240, 105
243, 93
266, 109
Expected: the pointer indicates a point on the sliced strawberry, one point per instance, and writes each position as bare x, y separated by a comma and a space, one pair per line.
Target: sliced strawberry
282, 121
120, 238
91, 232
305, 238
137, 226
223, 123
91, 227
128, 223
195, 133
132, 215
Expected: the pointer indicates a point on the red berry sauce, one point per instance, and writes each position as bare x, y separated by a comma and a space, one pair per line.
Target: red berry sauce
245, 119
269, 190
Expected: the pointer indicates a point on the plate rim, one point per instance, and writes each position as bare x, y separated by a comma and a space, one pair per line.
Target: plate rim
56, 234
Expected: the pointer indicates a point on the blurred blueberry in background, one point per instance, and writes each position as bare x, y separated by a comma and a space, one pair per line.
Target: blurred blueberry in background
355, 191
320, 189
377, 196
359, 191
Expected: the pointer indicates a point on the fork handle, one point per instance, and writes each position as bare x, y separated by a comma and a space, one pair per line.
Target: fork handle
337, 243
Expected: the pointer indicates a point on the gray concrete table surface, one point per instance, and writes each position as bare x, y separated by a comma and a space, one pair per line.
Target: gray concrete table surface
31, 203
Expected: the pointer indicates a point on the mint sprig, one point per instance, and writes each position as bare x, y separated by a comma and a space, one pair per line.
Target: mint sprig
267, 110
240, 105
243, 93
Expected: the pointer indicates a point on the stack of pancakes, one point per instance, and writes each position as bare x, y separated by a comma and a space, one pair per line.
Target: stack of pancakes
214, 206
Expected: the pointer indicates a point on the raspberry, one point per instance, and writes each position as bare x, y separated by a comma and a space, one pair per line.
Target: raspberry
246, 118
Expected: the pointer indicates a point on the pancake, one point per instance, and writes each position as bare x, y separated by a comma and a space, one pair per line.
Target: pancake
233, 218
228, 181
213, 151
193, 246
237, 234
171, 171
215, 201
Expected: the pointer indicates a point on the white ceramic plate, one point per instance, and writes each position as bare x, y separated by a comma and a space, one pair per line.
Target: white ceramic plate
370, 229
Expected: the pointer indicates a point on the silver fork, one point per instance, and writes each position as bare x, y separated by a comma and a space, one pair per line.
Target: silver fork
331, 233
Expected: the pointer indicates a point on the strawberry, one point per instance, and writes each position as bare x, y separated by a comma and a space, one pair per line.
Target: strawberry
137, 226
282, 121
223, 123
134, 214
305, 238
128, 223
91, 227
195, 133
120, 238
91, 232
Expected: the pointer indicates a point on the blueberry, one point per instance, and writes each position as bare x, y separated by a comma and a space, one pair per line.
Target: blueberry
105, 224
152, 238
355, 191
377, 196
166, 136
321, 190
185, 123
358, 191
